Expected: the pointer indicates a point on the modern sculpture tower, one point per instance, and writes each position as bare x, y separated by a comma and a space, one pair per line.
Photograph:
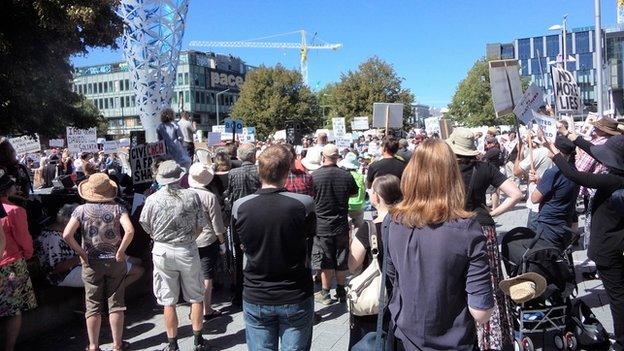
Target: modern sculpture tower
152, 40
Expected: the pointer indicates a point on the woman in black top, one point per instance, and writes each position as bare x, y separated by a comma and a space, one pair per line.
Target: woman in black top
606, 245
478, 176
385, 192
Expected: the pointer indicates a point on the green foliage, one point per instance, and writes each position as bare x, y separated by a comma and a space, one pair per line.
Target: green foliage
273, 95
472, 105
37, 39
374, 81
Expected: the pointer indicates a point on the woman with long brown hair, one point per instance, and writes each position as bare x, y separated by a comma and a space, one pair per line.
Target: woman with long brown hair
437, 262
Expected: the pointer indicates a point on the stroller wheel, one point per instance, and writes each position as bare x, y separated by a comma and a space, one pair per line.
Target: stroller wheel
571, 341
560, 342
526, 344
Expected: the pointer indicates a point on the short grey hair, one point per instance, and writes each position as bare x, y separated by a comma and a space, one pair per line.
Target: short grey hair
247, 152
403, 143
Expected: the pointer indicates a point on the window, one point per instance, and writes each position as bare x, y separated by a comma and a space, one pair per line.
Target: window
569, 44
197, 97
100, 87
582, 42
524, 49
127, 84
180, 79
110, 86
121, 87
525, 67
105, 87
122, 102
552, 45
174, 99
106, 103
535, 66
128, 101
202, 97
111, 101
186, 96
133, 100
507, 51
186, 78
586, 61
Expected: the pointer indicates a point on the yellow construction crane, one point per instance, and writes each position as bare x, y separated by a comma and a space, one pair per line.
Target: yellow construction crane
303, 47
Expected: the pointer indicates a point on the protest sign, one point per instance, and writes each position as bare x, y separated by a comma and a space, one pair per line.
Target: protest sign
432, 125
343, 143
214, 138
548, 125
280, 135
338, 124
56, 142
532, 100
25, 144
249, 135
567, 92
82, 140
124, 142
359, 123
233, 126
505, 85
141, 159
392, 112
218, 129
110, 146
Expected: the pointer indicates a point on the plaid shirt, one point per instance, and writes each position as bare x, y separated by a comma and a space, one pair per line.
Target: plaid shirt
586, 163
300, 182
242, 181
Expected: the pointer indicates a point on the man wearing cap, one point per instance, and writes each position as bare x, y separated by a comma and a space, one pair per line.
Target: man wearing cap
333, 187
211, 241
174, 218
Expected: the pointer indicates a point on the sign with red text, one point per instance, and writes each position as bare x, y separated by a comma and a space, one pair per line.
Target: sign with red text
141, 160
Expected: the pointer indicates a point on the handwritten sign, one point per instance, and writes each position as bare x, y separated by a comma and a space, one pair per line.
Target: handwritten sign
343, 143
214, 138
567, 92
547, 124
532, 100
141, 159
82, 140
56, 142
26, 144
339, 127
359, 123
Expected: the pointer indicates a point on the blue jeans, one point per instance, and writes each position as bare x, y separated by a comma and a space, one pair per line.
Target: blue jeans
266, 325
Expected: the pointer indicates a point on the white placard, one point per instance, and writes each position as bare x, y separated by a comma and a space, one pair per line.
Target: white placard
432, 125
249, 135
343, 143
124, 142
56, 142
395, 115
340, 129
137, 201
360, 123
111, 146
547, 124
25, 144
218, 129
567, 92
82, 140
532, 100
503, 75
214, 138
141, 159
280, 135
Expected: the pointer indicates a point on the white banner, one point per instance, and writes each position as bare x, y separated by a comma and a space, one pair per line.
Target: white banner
343, 143
249, 135
82, 140
395, 115
56, 142
359, 123
567, 92
141, 159
111, 146
26, 144
547, 124
532, 100
214, 138
339, 127
504, 74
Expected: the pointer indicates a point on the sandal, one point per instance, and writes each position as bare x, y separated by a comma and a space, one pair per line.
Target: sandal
124, 346
212, 315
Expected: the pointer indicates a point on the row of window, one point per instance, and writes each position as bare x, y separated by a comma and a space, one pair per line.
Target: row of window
540, 66
203, 97
581, 41
112, 103
102, 87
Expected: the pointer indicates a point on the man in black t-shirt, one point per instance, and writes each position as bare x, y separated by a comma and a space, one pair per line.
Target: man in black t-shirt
388, 164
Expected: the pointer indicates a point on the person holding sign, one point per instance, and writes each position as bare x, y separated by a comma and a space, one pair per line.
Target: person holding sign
170, 132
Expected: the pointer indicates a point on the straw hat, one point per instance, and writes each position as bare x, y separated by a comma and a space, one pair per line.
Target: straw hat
312, 160
169, 172
98, 188
350, 161
524, 287
607, 125
199, 175
462, 143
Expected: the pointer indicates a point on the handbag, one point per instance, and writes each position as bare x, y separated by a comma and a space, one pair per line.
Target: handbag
363, 291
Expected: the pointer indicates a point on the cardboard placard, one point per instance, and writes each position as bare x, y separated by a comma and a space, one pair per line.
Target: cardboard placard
567, 92
25, 144
141, 159
340, 129
249, 135
395, 115
343, 143
110, 146
56, 142
548, 125
214, 138
82, 140
532, 100
505, 85
359, 123
232, 126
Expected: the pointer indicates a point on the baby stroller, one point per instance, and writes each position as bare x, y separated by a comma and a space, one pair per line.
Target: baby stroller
544, 319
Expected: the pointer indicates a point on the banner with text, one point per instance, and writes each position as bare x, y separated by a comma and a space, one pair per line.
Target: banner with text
26, 144
359, 123
567, 92
110, 146
339, 127
548, 125
393, 112
82, 140
141, 159
532, 100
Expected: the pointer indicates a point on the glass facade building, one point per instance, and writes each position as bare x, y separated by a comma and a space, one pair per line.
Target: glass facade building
199, 77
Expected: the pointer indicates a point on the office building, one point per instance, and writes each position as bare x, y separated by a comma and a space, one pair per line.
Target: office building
201, 77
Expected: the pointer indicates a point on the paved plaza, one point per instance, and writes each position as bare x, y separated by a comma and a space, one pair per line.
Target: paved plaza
145, 328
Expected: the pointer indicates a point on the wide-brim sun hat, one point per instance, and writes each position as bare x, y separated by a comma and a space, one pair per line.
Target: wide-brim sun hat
312, 160
611, 153
350, 161
607, 125
98, 188
169, 172
524, 287
200, 175
462, 143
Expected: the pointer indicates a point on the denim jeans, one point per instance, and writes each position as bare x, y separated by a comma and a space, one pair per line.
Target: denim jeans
268, 325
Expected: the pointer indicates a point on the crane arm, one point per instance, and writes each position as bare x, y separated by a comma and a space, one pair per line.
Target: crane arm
257, 44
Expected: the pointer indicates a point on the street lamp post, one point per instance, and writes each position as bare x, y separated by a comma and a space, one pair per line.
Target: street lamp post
562, 49
598, 41
217, 101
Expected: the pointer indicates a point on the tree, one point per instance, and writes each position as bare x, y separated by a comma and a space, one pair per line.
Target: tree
37, 39
271, 96
472, 103
373, 81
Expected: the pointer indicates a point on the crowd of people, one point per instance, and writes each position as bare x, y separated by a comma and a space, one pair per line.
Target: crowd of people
278, 218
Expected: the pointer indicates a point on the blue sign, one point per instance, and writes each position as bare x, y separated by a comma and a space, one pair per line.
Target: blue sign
233, 126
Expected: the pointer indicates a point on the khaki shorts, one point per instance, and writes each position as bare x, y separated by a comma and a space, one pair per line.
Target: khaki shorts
104, 280
176, 265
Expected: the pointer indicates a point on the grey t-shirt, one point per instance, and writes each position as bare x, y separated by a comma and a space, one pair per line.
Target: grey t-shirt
214, 223
186, 128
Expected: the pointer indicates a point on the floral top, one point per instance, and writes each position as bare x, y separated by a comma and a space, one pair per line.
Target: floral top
51, 250
101, 229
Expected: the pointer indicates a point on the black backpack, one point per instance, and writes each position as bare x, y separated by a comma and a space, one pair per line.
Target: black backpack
589, 332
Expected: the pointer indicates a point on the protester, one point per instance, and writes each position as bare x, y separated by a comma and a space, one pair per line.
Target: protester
356, 202
188, 129
404, 153
38, 181
273, 226
388, 164
332, 187
556, 196
211, 240
495, 156
9, 162
51, 171
384, 194
437, 253
16, 290
79, 166
174, 218
478, 177
170, 133
103, 255
298, 181
67, 163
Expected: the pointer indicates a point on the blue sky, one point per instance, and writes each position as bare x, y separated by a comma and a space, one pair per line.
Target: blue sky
431, 44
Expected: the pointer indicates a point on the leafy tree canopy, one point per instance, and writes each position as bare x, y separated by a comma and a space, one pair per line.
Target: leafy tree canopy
37, 39
271, 96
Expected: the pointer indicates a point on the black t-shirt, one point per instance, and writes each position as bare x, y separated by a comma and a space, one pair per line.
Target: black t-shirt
385, 166
493, 156
363, 236
486, 175
332, 188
